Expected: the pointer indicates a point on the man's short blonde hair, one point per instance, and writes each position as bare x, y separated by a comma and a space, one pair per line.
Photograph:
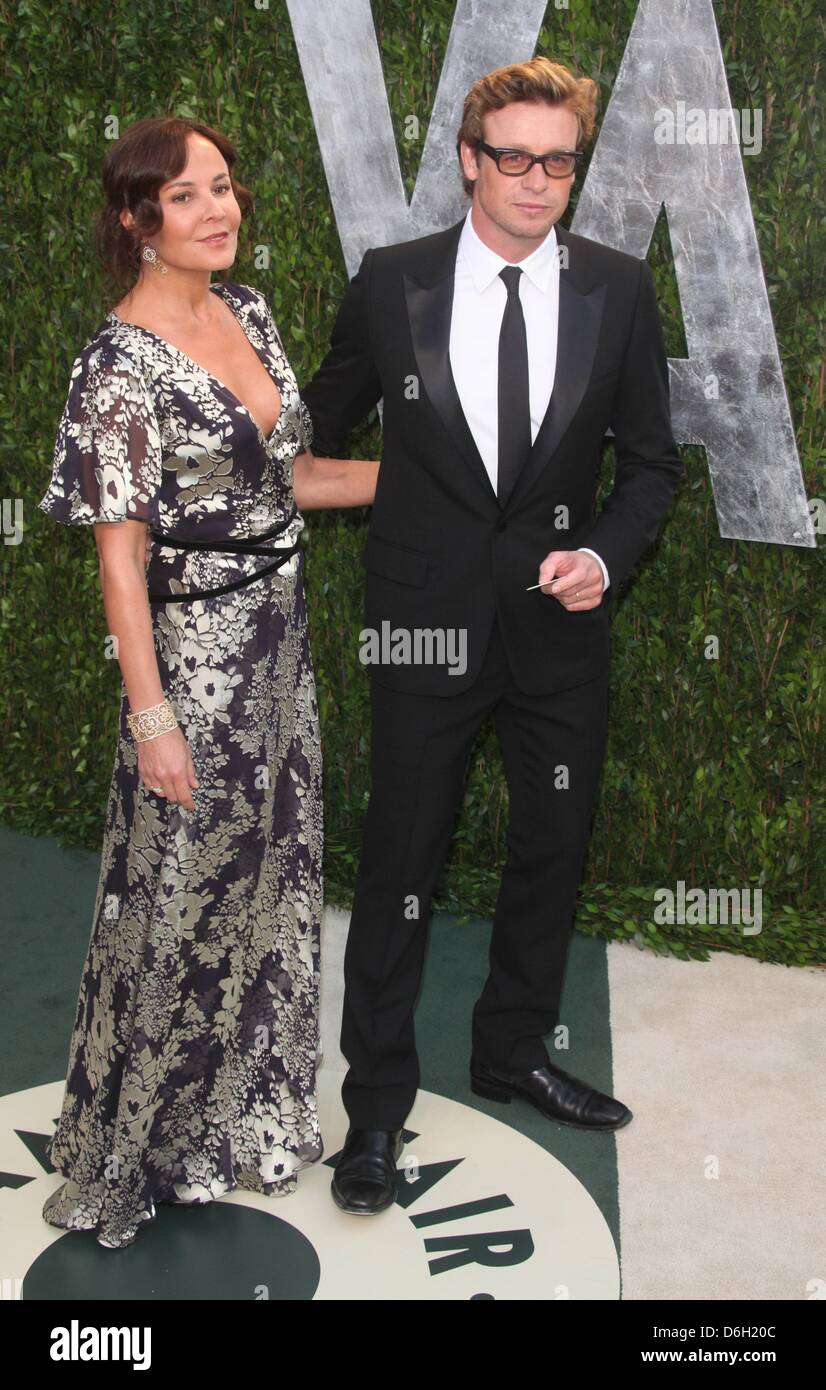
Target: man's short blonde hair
536, 80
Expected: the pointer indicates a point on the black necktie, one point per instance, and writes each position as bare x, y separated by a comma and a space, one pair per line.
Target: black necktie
514, 397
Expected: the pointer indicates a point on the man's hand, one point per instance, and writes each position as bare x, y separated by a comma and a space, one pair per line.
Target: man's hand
572, 577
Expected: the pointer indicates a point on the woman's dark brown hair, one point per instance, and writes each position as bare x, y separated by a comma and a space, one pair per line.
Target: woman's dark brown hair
148, 154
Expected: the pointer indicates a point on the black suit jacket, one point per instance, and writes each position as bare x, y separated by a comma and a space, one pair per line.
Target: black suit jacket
441, 550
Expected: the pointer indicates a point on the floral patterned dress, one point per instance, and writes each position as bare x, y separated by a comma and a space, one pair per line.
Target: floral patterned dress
193, 1055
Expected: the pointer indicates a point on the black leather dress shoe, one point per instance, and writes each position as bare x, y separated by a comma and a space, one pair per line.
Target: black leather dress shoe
555, 1094
364, 1181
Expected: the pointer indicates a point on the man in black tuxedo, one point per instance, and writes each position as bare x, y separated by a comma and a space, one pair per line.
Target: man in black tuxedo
503, 349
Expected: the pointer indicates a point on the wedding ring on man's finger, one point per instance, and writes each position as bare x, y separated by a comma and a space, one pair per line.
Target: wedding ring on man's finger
157, 790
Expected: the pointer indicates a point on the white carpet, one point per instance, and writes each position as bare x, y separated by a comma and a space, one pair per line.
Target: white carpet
334, 926
721, 1172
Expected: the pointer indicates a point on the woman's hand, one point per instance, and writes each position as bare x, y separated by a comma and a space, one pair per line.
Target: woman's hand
166, 762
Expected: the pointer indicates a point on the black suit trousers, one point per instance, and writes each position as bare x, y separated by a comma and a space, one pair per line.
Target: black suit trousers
552, 750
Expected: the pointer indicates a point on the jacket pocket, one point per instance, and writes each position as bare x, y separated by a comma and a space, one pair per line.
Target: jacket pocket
394, 561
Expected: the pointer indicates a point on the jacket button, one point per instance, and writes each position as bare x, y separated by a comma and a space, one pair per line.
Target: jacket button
502, 525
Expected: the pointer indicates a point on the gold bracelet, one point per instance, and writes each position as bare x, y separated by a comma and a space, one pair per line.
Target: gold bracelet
149, 723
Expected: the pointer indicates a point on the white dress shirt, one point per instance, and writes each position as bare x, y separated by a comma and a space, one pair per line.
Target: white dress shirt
479, 298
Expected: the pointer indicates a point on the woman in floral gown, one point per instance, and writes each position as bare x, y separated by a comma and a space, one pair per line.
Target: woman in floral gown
193, 1054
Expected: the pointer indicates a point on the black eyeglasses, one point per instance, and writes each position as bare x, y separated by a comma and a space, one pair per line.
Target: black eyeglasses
557, 165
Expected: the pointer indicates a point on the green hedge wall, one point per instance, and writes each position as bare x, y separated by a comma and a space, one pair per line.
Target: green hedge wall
715, 769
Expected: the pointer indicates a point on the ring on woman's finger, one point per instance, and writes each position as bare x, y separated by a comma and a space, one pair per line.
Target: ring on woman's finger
157, 790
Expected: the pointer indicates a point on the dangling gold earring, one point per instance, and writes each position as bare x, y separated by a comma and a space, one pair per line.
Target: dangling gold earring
150, 254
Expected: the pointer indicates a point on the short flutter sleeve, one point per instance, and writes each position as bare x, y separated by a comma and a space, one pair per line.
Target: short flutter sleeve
107, 456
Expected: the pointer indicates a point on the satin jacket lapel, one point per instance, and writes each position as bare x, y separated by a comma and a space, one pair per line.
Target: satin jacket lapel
429, 307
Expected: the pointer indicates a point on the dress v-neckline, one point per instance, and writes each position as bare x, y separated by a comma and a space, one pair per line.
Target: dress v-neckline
217, 286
